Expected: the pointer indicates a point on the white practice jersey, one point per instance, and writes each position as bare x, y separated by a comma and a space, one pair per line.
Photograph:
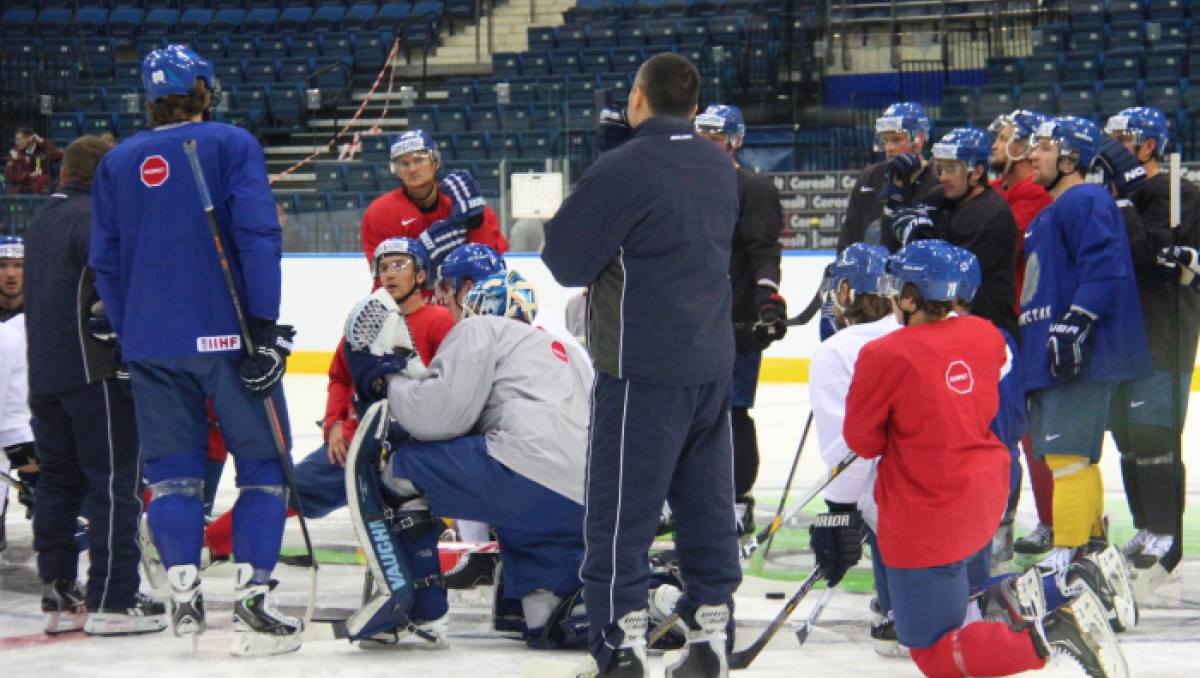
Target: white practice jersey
14, 384
523, 389
830, 373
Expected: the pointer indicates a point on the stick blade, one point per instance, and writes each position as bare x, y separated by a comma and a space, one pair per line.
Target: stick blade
802, 633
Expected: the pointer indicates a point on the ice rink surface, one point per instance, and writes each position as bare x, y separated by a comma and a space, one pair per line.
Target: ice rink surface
1166, 643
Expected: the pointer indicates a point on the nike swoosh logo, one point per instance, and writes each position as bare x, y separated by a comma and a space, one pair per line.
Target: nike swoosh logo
1053, 437
1137, 403
405, 222
866, 189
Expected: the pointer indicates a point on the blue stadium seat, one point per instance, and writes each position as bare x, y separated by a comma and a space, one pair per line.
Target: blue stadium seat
123, 26
53, 21
452, 118
581, 88
274, 46
337, 44
728, 30
1117, 96
504, 144
260, 71
617, 83
631, 33
552, 88
959, 102
445, 144
62, 126
60, 48
461, 9
97, 123
564, 62
537, 145
598, 61
1172, 33
294, 70
601, 35
1043, 68
228, 21
293, 19
627, 58
227, 71
241, 47
423, 117
370, 51
662, 33
1088, 40
305, 45
1087, 13
1038, 96
1126, 11
547, 115
487, 173
536, 63
744, 7
461, 90
99, 56
1164, 94
472, 146
358, 17
707, 8
484, 118
569, 36
522, 89
1168, 61
485, 89
644, 9
92, 20
1124, 63
676, 9
1085, 66
343, 201
194, 20
160, 21
390, 16
211, 47
250, 97
693, 31
129, 124
1050, 38
1167, 10
419, 32
994, 100
376, 148
287, 106
516, 117
360, 177
127, 73
1127, 34
327, 17
17, 23
506, 64
260, 20
1077, 98
1004, 70
330, 74
540, 37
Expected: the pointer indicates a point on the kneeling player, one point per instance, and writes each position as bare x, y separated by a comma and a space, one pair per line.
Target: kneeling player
495, 431
921, 401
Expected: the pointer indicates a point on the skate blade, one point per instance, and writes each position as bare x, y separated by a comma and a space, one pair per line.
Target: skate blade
1146, 581
124, 625
59, 623
1116, 570
1093, 619
405, 644
249, 644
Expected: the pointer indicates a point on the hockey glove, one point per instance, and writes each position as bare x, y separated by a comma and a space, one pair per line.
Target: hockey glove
265, 367
898, 176
1186, 259
836, 540
99, 326
911, 224
772, 314
466, 199
1068, 347
613, 129
442, 238
1122, 172
21, 454
370, 373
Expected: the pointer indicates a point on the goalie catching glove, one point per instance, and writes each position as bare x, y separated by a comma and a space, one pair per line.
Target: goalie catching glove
836, 540
378, 345
263, 368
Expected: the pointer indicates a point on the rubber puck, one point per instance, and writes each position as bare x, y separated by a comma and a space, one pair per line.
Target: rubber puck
775, 595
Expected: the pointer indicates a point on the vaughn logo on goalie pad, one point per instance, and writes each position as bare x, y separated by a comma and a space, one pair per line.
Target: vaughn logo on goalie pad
231, 342
387, 558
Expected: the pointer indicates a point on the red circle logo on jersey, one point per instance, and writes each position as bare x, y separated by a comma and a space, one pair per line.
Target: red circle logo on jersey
155, 171
559, 350
959, 377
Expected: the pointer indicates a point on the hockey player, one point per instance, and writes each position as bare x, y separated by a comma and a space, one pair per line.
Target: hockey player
1010, 159
12, 279
400, 269
901, 180
84, 424
441, 215
759, 312
1144, 423
495, 431
660, 423
166, 296
1076, 343
866, 316
463, 267
949, 478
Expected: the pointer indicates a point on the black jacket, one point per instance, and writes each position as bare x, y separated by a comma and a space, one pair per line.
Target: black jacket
756, 251
59, 293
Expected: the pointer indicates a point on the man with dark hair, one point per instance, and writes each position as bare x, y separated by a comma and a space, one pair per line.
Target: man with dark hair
83, 424
169, 301
650, 229
29, 161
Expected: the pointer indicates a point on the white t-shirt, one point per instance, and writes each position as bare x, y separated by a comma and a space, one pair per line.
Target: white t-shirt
829, 374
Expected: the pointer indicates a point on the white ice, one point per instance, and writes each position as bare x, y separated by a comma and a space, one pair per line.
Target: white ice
1166, 643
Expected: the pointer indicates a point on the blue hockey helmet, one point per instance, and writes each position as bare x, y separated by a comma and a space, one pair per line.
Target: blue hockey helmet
908, 117
930, 265
1024, 121
473, 261
173, 70
505, 294
1072, 134
722, 119
12, 247
972, 275
409, 246
1140, 123
861, 266
416, 141
971, 145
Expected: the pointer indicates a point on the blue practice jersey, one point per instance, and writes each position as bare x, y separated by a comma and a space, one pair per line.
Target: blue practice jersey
1077, 254
156, 264
1011, 423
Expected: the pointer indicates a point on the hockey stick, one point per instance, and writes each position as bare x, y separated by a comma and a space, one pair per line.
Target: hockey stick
751, 546
285, 459
20, 486
741, 659
802, 632
757, 567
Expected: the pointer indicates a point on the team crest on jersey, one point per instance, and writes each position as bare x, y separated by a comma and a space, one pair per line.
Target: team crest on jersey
1033, 272
230, 342
155, 171
559, 351
959, 377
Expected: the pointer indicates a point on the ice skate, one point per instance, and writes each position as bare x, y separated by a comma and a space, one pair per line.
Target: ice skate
1147, 580
153, 570
472, 570
704, 656
1037, 542
415, 635
884, 640
1135, 545
62, 602
259, 628
1155, 547
1116, 573
1080, 631
1002, 545
187, 603
146, 615
1015, 599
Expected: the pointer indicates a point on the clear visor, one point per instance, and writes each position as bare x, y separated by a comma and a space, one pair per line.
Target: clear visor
445, 292
890, 285
998, 125
883, 140
710, 124
948, 168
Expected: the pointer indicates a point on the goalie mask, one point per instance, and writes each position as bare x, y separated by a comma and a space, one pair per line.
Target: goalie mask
505, 294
